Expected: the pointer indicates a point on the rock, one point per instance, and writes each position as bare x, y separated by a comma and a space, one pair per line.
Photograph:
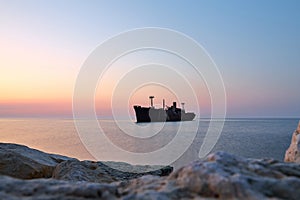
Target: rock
50, 189
22, 162
221, 176
292, 154
101, 172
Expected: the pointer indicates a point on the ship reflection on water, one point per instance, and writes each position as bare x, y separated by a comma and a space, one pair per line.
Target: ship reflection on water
164, 114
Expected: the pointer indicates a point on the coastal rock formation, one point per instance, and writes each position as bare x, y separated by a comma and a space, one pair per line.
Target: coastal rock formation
25, 163
101, 172
22, 162
292, 154
219, 176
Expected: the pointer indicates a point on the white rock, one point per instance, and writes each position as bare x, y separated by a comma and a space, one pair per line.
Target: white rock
292, 154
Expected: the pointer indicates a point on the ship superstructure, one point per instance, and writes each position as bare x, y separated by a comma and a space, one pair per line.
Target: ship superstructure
152, 114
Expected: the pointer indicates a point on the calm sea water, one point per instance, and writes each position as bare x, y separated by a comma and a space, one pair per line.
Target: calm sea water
255, 138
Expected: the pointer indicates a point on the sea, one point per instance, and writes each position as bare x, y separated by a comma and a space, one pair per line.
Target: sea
139, 143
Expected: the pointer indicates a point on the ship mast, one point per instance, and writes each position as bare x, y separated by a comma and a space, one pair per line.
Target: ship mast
151, 101
182, 104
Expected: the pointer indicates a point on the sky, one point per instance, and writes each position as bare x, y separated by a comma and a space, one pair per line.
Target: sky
254, 44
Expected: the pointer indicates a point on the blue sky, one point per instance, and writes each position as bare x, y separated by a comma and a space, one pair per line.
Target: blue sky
255, 44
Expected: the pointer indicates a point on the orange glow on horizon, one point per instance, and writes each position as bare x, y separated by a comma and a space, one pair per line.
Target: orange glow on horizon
35, 108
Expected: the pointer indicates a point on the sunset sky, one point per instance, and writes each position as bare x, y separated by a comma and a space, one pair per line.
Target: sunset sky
255, 44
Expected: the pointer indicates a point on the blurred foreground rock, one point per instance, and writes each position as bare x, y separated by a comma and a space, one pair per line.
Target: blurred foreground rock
292, 154
50, 189
219, 176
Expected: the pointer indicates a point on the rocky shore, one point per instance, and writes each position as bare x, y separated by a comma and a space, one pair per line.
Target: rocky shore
27, 173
